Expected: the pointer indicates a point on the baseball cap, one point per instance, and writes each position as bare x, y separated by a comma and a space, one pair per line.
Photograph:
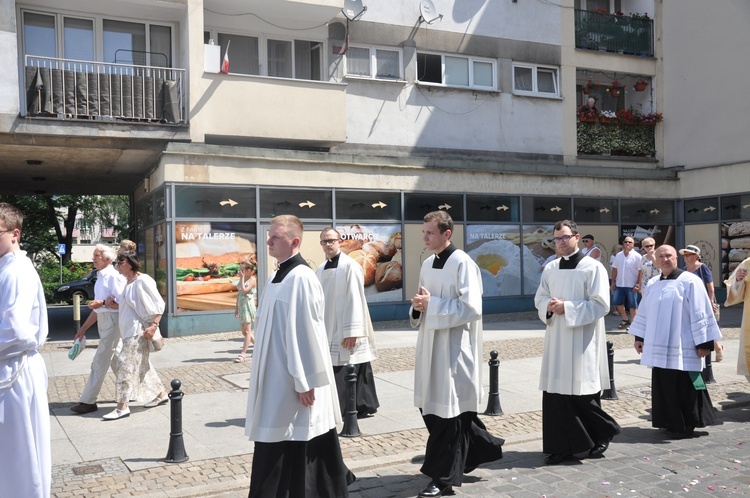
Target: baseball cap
691, 249
588, 236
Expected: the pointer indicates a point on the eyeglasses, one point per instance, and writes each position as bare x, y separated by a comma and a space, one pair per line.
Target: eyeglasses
648, 245
326, 242
628, 242
564, 239
6, 231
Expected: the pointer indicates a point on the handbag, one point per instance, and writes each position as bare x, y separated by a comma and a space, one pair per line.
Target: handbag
78, 346
156, 343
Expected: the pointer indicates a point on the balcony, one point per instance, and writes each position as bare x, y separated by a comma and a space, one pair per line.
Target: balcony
620, 34
610, 137
71, 89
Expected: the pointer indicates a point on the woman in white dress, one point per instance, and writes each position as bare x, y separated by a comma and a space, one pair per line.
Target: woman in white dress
141, 307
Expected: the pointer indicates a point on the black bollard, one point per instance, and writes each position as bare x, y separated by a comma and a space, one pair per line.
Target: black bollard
610, 393
493, 401
176, 452
708, 372
351, 426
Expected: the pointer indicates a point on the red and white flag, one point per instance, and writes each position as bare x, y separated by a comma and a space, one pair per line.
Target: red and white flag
225, 63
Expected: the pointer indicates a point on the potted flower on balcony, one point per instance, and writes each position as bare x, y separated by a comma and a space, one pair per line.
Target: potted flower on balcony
589, 86
650, 119
587, 114
615, 89
608, 117
627, 116
640, 85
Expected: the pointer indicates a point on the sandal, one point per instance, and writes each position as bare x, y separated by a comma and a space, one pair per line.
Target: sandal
240, 358
719, 353
625, 324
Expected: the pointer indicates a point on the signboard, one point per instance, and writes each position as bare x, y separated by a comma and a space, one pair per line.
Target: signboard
60, 249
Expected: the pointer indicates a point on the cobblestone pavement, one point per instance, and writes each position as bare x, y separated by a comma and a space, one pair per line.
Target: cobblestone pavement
639, 463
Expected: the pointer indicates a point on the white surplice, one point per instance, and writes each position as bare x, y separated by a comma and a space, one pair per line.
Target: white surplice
674, 317
25, 458
575, 353
346, 312
290, 357
448, 369
737, 293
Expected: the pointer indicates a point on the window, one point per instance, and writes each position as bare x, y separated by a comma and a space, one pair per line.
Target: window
456, 71
243, 54
530, 79
377, 63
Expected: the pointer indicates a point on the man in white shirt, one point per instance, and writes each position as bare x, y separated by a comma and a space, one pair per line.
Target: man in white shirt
589, 248
109, 282
626, 281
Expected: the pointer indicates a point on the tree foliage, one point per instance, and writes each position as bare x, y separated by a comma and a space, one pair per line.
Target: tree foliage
50, 219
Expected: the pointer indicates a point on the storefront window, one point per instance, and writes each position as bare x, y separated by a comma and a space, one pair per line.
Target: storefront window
549, 209
159, 205
735, 207
416, 206
706, 209
595, 211
305, 204
497, 249
214, 202
500, 208
646, 212
367, 205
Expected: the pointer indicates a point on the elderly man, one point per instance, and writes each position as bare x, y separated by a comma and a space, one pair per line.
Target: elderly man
572, 300
292, 408
675, 330
109, 282
626, 281
589, 248
351, 338
448, 364
737, 293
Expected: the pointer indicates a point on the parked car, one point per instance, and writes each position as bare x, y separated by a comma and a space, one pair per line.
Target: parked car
83, 288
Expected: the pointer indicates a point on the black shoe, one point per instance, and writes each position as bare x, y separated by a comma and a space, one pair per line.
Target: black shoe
436, 489
679, 435
82, 408
554, 459
470, 469
700, 433
598, 450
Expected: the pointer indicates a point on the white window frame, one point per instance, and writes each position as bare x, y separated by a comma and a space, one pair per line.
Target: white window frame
471, 61
373, 50
535, 68
213, 33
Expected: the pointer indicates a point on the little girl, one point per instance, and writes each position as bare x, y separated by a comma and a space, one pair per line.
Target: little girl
245, 310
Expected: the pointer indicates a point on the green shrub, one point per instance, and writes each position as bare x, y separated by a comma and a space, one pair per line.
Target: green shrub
49, 273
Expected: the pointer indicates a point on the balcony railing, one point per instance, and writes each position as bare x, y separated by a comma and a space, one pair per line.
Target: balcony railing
603, 139
613, 33
73, 89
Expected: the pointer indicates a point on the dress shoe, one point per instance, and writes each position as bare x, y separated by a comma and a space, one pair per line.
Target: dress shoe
82, 408
116, 413
679, 435
554, 459
436, 489
598, 450
156, 401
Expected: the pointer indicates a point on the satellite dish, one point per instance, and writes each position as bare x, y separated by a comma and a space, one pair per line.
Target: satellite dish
353, 9
428, 12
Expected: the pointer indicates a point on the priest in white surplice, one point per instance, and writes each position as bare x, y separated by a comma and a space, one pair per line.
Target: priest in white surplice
448, 365
351, 338
675, 330
737, 292
292, 408
25, 458
573, 299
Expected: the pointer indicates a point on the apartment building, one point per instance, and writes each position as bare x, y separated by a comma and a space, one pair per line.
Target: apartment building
217, 115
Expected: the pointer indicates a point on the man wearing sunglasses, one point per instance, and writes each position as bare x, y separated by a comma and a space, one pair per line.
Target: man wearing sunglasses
626, 280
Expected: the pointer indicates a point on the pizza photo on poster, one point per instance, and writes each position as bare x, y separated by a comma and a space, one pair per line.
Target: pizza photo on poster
377, 249
207, 261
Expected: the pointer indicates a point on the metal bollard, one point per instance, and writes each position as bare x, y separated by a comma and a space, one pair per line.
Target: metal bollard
77, 311
351, 426
708, 372
176, 452
493, 400
610, 393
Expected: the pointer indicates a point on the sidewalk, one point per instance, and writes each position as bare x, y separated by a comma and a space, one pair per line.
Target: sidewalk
92, 457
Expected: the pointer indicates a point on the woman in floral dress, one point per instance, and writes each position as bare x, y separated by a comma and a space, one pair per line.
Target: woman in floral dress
141, 307
247, 288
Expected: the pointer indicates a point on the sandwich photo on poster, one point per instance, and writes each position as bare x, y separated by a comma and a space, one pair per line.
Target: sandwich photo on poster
207, 261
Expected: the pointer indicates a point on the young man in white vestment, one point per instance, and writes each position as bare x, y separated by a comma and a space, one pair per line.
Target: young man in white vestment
109, 282
292, 408
572, 300
447, 373
351, 338
675, 330
737, 292
25, 458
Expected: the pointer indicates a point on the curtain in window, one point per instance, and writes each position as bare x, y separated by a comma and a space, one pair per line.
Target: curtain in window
483, 74
522, 79
280, 58
387, 64
243, 53
358, 61
456, 71
545, 80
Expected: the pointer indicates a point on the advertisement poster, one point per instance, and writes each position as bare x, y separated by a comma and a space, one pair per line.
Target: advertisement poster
706, 238
207, 258
377, 248
496, 250
662, 234
538, 248
415, 253
160, 273
735, 245
605, 238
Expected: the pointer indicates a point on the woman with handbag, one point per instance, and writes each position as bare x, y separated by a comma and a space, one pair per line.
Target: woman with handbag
141, 307
692, 256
